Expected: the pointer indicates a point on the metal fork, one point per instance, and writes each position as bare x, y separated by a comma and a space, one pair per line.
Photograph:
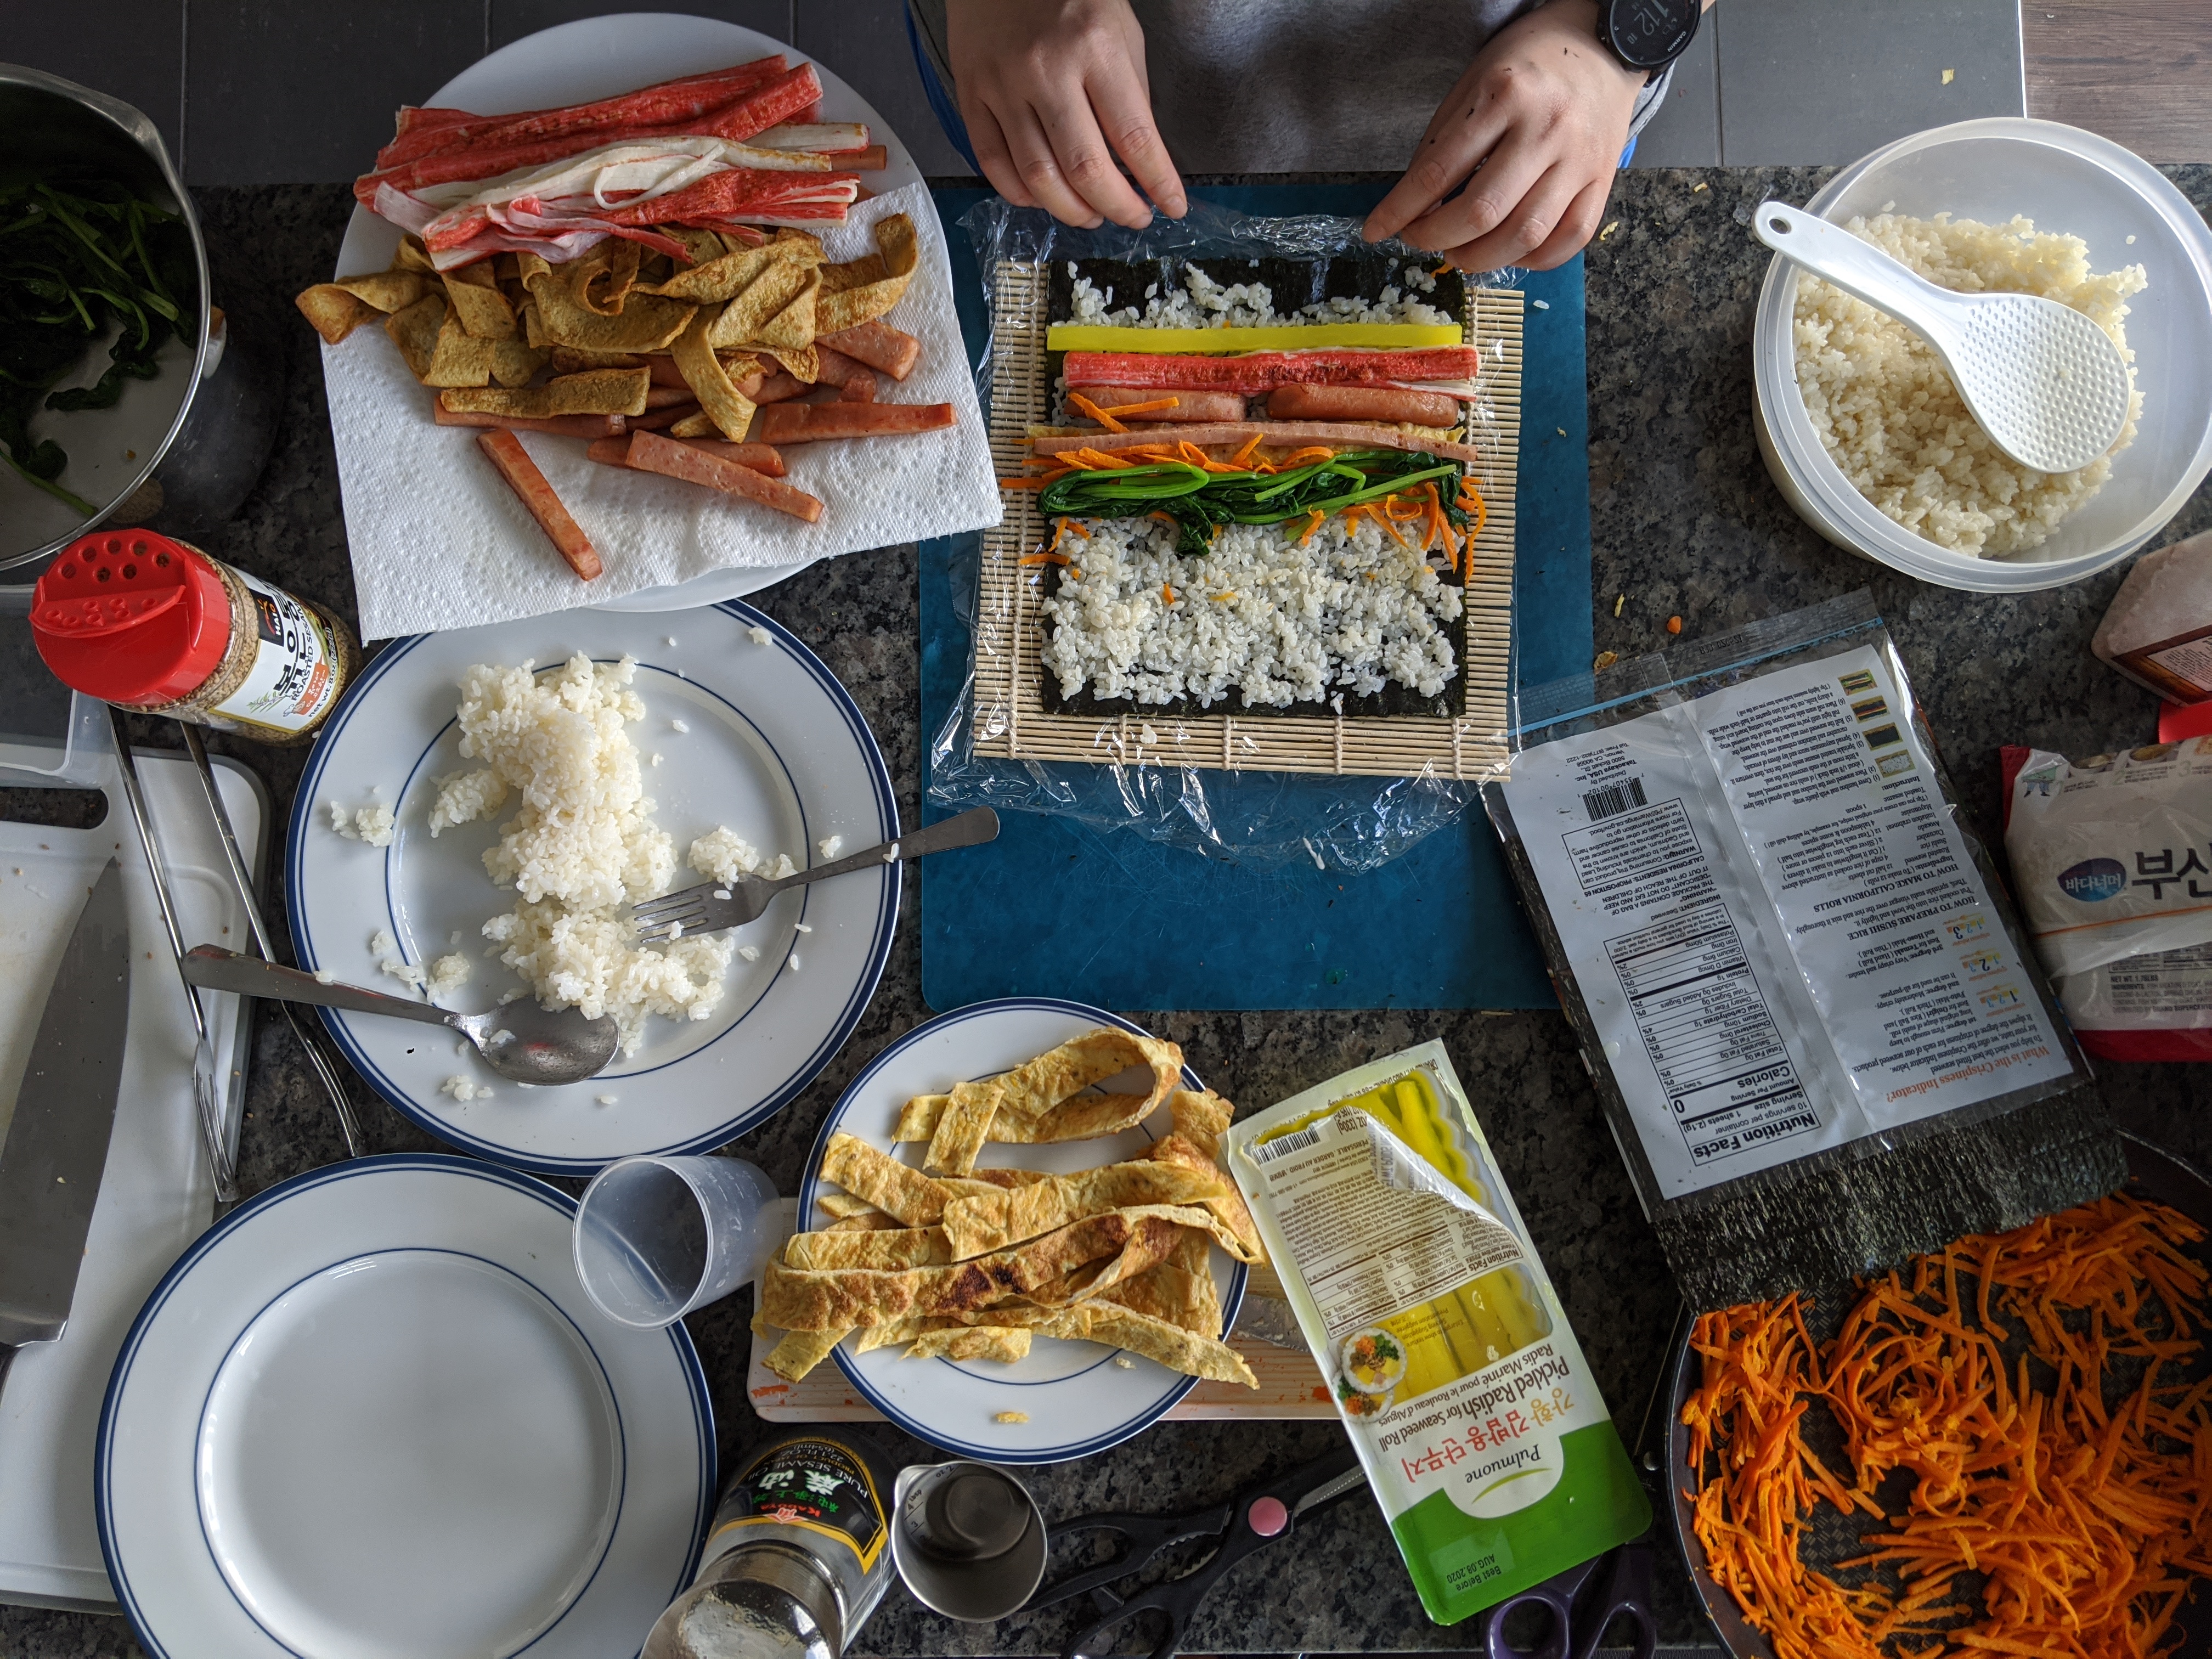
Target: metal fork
206, 1104
713, 905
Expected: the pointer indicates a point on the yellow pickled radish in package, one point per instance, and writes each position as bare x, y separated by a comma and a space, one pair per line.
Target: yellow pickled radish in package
1461, 1383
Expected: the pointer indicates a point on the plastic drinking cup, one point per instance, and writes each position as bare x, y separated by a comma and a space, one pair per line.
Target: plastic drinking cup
656, 1238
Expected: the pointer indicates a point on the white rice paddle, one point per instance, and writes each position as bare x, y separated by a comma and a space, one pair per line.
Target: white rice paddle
2047, 383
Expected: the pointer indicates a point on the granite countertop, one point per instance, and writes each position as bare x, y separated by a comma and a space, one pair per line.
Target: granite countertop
1685, 522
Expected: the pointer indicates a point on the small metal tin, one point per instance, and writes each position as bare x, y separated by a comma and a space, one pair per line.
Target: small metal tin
967, 1539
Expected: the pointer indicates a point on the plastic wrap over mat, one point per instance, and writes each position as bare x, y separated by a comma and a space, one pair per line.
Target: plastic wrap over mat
1329, 686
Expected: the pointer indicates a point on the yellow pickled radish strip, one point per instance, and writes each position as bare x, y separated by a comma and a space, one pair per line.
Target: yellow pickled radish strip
1430, 1360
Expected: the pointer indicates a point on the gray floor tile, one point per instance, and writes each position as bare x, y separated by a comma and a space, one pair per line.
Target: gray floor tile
865, 42
513, 19
1807, 81
133, 50
1686, 130
282, 92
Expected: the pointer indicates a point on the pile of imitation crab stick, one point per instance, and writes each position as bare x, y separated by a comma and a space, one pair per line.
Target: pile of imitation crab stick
2062, 1499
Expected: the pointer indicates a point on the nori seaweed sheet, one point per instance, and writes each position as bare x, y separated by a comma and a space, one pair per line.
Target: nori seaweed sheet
1294, 283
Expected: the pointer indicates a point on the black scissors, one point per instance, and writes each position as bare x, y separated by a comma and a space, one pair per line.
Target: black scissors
1621, 1578
1581, 1614
1258, 1515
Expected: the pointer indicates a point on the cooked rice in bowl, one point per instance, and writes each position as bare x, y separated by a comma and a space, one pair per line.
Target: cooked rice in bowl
1886, 410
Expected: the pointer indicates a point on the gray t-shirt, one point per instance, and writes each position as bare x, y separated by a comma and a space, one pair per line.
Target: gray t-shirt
1277, 86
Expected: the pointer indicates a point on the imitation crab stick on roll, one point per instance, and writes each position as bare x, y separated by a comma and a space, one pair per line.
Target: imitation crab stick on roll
1362, 403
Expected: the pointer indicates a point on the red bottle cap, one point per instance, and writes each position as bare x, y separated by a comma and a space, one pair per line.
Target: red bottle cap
127, 616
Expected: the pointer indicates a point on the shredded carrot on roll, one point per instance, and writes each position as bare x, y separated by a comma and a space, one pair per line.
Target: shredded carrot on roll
2027, 1381
1470, 499
1312, 525
1083, 405
1243, 456
1151, 407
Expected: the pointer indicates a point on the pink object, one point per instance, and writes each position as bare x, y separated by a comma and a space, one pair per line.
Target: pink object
1267, 1516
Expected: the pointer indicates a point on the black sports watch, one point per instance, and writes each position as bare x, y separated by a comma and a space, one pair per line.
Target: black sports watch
1648, 35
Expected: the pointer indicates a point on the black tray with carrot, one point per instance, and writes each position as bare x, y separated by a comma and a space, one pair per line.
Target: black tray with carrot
2004, 1448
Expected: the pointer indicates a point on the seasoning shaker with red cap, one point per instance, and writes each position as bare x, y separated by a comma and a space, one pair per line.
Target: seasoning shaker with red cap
150, 623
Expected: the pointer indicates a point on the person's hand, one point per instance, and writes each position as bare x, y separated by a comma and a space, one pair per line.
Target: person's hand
1535, 128
1052, 91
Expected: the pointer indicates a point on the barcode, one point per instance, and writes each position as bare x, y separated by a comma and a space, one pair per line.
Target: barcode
1283, 1145
1614, 800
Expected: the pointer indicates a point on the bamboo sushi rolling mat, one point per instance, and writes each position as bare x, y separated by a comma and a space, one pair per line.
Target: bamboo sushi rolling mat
1009, 629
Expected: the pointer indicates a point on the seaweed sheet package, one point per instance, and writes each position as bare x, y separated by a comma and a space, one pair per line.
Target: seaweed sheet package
1457, 1376
1820, 1035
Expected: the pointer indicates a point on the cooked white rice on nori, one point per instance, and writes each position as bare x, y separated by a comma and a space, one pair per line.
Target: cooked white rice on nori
1349, 613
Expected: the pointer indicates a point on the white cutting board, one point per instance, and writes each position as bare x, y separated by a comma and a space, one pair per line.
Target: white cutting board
155, 1196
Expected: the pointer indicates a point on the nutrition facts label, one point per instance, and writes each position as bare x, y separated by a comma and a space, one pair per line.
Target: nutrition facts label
1773, 922
1710, 1037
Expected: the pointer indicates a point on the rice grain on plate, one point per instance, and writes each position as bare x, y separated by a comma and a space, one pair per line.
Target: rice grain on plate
583, 846
1256, 612
1888, 414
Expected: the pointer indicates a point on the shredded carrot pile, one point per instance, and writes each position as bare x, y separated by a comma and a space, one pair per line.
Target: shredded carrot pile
2044, 1518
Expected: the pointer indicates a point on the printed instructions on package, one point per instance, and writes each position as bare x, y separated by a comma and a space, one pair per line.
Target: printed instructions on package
1797, 950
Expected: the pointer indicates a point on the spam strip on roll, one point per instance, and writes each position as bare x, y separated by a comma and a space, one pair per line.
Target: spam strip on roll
1301, 402
1288, 434
1254, 372
1139, 406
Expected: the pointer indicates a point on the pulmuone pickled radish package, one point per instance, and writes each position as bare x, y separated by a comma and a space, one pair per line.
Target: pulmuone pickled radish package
1820, 1035
1458, 1378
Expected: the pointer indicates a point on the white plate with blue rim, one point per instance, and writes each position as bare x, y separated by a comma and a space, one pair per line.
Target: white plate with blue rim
372, 1414
602, 58
754, 733
1069, 1399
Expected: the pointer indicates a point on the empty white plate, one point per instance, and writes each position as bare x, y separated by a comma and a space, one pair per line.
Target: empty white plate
372, 1415
1074, 1397
754, 733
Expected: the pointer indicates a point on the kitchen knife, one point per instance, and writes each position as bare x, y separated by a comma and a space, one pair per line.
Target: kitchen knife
57, 1144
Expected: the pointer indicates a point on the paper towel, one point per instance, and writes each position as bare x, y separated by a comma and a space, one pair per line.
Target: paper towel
439, 541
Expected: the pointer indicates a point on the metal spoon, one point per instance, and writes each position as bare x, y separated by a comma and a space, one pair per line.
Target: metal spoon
2046, 384
518, 1040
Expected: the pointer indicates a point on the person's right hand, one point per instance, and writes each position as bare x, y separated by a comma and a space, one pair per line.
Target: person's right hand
1052, 91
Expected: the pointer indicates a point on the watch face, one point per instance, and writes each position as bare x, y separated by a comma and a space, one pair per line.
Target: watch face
1649, 34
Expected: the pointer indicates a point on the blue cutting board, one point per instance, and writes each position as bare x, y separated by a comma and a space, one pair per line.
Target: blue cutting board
1055, 908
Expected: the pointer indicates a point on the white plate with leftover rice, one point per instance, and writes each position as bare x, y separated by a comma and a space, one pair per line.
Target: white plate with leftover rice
760, 755
1064, 1398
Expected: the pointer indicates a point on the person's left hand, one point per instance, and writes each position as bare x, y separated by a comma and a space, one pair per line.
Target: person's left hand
1535, 128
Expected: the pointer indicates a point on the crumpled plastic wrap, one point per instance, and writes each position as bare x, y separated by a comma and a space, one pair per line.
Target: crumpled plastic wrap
1272, 818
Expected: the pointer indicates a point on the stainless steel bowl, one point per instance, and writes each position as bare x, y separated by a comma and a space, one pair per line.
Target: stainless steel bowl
45, 120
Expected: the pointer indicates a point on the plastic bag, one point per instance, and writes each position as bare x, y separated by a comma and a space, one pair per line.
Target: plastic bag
1460, 1383
1812, 1017
1174, 773
2110, 859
